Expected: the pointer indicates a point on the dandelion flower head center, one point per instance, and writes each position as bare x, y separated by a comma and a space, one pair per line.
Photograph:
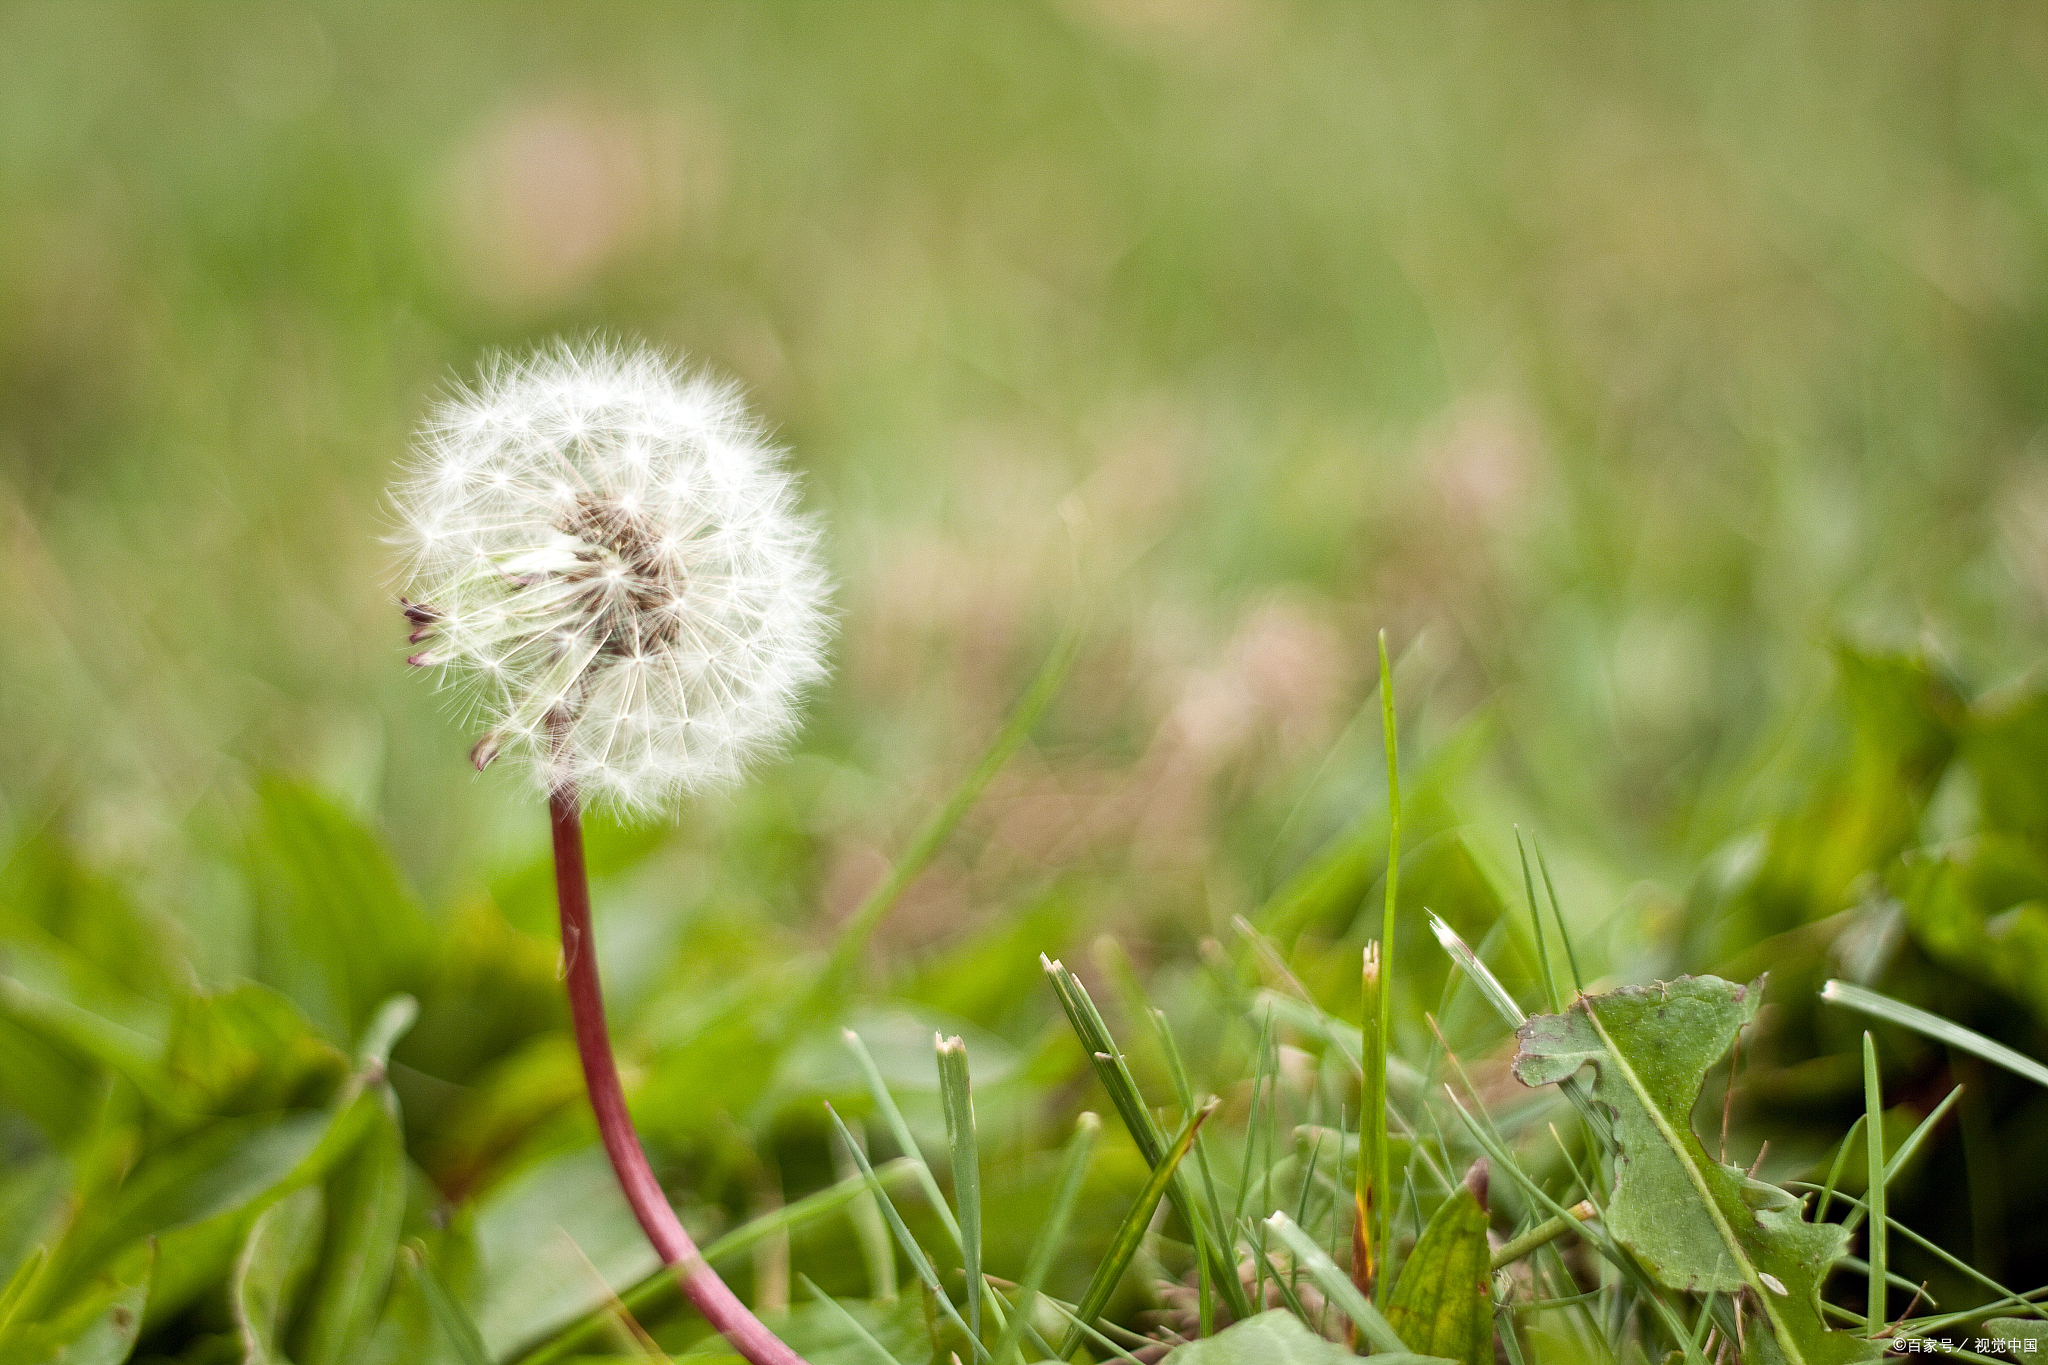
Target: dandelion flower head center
607, 558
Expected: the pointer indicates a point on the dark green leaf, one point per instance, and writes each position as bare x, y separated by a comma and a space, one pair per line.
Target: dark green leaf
1442, 1303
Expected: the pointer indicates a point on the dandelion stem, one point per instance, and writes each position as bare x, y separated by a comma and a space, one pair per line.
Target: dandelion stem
719, 1305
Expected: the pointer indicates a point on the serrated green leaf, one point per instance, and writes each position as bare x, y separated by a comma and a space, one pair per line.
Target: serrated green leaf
1694, 1223
276, 1258
1442, 1303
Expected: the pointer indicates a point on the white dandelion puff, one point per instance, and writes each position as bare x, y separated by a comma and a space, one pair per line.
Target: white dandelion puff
606, 557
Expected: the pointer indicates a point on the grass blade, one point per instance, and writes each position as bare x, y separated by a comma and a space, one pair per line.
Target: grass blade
866, 1337
1115, 1075
899, 1130
455, 1324
861, 926
1123, 1249
1851, 996
1080, 1148
1489, 984
957, 1091
1827, 1191
1381, 1043
877, 1252
1367, 1187
1873, 1134
919, 1262
1536, 926
1907, 1148
1336, 1285
1557, 913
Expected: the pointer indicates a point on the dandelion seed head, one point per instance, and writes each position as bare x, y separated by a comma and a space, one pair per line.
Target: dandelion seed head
605, 558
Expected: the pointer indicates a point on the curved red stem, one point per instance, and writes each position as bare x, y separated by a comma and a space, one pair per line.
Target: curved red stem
719, 1305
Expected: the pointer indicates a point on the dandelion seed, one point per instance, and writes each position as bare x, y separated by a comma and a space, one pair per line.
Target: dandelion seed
607, 560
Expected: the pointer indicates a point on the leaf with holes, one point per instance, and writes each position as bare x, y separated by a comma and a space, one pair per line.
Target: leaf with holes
1695, 1223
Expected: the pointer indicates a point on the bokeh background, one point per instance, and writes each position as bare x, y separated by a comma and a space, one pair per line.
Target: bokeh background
1612, 360
1619, 361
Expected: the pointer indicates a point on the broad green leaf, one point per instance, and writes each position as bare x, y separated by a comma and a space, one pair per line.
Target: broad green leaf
337, 932
540, 1234
1694, 1223
196, 1255
272, 1269
97, 1327
2015, 1332
366, 1208
1275, 1337
1442, 1303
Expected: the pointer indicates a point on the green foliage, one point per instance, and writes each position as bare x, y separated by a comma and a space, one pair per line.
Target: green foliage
1695, 1224
1443, 1303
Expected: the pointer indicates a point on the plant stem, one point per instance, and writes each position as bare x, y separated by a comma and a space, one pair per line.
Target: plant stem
719, 1305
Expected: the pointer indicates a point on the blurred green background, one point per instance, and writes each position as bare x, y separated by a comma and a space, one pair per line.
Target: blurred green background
1619, 360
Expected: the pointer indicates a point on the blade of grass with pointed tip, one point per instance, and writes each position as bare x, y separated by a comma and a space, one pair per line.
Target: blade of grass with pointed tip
1115, 1075
919, 1262
899, 1130
1873, 1135
1557, 913
1536, 926
1383, 1042
871, 1234
456, 1325
1123, 1248
1911, 1145
1372, 1324
956, 1090
866, 1337
1851, 996
1080, 1148
861, 925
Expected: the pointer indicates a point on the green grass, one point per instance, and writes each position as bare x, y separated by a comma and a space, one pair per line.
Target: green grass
1618, 363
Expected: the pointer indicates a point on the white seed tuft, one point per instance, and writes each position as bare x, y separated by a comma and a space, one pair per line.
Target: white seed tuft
605, 557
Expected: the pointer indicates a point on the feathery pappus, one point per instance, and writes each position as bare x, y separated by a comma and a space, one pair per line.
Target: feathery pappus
606, 556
